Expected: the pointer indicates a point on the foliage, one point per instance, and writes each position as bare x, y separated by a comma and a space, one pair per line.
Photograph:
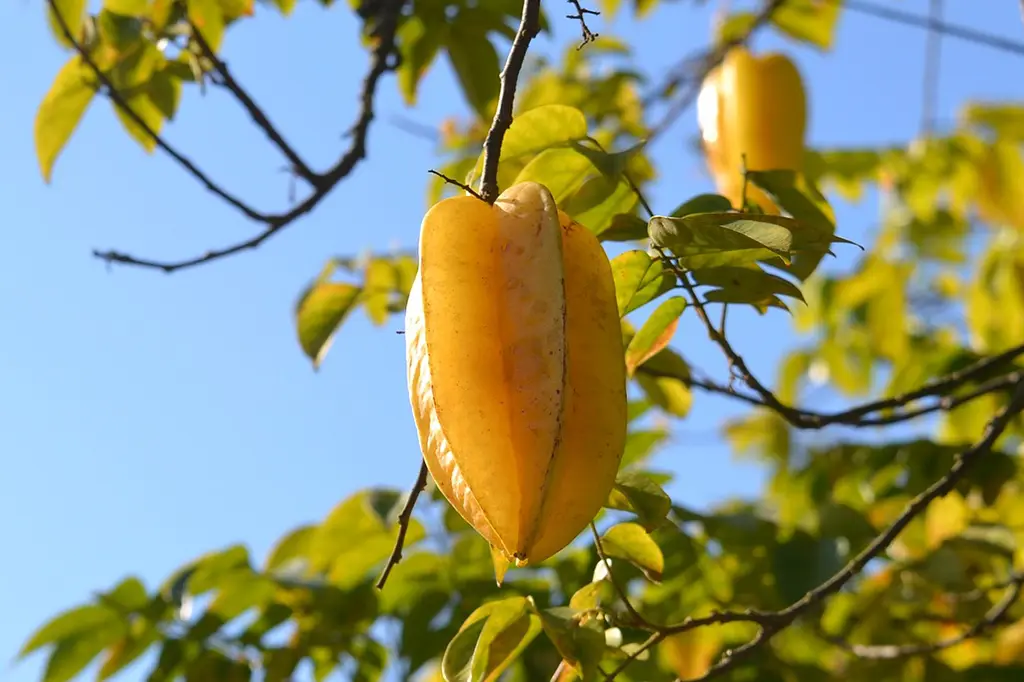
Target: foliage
864, 557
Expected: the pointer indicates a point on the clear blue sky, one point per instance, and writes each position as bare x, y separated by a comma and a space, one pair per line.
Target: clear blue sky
145, 418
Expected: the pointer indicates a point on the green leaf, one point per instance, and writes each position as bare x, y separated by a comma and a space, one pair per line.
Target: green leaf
489, 640
380, 283
668, 393
593, 595
655, 334
563, 171
638, 493
811, 21
475, 62
629, 541
70, 623
285, 6
119, 31
640, 445
533, 131
127, 8
667, 363
74, 653
164, 91
624, 227
748, 285
354, 539
598, 200
319, 314
704, 240
420, 37
208, 18
798, 196
61, 111
639, 279
802, 563
73, 14
580, 645
294, 545
148, 112
702, 203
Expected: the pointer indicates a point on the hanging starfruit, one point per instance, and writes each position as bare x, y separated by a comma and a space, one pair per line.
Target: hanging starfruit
754, 106
516, 368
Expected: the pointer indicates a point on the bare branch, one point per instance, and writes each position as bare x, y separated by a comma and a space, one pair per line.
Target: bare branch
381, 63
255, 112
952, 30
581, 15
121, 103
529, 27
933, 51
991, 619
452, 181
404, 519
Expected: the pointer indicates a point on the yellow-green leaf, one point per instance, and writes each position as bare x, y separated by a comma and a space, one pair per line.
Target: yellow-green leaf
639, 279
72, 12
655, 333
629, 541
320, 312
61, 111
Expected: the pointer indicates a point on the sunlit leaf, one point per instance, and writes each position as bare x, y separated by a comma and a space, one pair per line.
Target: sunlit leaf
319, 313
629, 541
639, 279
638, 493
61, 111
655, 333
489, 640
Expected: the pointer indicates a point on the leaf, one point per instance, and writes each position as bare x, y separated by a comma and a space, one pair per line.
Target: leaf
127, 8
61, 111
802, 563
702, 203
812, 21
638, 280
208, 18
73, 14
475, 62
68, 624
655, 334
489, 640
148, 112
581, 645
319, 314
294, 545
563, 171
945, 518
631, 542
354, 539
668, 393
624, 227
706, 240
690, 654
593, 595
379, 284
419, 38
164, 91
640, 445
638, 493
746, 285
74, 653
532, 132
798, 196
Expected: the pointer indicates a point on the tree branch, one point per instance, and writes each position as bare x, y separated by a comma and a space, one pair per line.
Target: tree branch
529, 27
380, 64
581, 15
121, 103
952, 30
991, 619
255, 112
771, 623
404, 519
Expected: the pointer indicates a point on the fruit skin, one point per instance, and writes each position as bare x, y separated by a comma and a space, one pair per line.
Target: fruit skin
516, 368
755, 106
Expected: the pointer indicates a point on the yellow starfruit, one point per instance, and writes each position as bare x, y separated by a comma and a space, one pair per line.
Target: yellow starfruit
516, 368
753, 106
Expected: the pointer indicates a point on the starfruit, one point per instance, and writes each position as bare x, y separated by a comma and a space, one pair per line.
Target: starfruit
753, 106
516, 369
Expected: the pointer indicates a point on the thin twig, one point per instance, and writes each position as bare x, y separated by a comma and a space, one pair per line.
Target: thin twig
121, 103
952, 30
893, 651
637, 617
380, 64
404, 519
452, 181
529, 27
581, 15
932, 69
255, 112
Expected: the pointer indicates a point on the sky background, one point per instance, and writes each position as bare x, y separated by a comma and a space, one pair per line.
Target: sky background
145, 419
